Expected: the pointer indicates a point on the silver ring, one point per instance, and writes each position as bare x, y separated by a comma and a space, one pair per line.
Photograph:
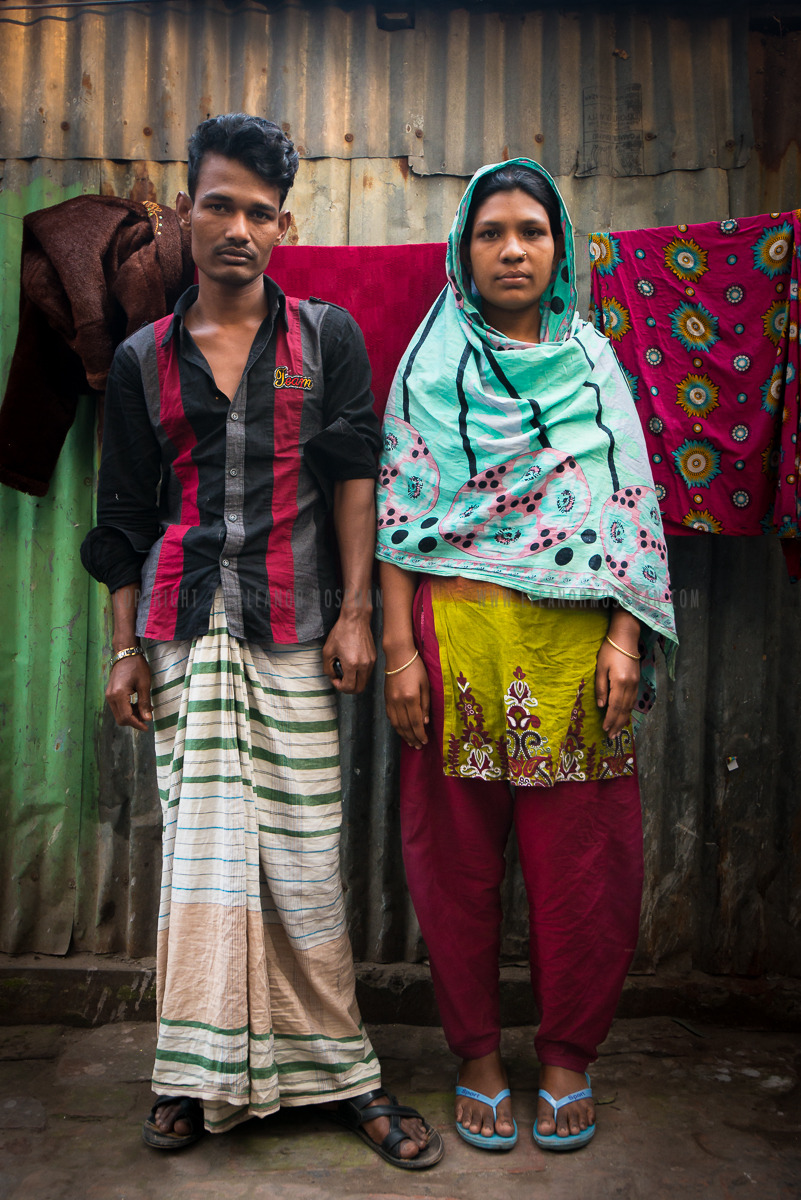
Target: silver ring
133, 698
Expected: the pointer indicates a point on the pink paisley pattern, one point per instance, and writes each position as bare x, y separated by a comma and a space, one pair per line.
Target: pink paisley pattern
521, 507
410, 477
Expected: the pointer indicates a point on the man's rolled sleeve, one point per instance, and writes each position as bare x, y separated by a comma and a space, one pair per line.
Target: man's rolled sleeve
130, 471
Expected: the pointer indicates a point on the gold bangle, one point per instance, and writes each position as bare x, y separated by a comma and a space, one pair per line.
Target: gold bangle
627, 653
398, 670
121, 654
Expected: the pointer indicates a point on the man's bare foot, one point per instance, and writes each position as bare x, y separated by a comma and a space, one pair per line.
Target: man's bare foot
571, 1119
488, 1076
164, 1118
417, 1135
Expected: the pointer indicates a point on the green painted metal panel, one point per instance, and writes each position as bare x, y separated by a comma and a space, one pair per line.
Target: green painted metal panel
51, 681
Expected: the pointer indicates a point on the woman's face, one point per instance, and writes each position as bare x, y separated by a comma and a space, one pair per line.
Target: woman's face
512, 253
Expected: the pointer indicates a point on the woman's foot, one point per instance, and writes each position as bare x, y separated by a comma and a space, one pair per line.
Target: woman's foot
572, 1118
488, 1076
417, 1135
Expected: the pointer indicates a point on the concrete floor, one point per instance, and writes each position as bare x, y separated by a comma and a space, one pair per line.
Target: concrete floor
685, 1111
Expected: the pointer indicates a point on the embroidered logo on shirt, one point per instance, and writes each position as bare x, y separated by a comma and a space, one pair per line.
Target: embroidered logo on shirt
282, 379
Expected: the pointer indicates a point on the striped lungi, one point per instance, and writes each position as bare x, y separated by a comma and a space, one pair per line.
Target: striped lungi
255, 981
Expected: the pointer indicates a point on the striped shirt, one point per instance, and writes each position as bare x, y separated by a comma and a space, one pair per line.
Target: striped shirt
197, 490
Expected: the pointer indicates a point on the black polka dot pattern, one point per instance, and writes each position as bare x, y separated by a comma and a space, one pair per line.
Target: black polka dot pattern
408, 483
634, 551
492, 508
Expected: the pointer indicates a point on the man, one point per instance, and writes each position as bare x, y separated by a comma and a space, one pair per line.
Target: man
233, 430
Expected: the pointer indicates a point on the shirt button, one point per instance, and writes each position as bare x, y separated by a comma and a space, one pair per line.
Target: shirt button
233, 471
226, 563
232, 517
234, 416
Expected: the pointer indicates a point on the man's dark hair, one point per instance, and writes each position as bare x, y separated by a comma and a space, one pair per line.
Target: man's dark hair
258, 144
509, 179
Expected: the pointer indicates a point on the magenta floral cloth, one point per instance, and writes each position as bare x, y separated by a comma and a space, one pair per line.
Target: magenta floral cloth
704, 320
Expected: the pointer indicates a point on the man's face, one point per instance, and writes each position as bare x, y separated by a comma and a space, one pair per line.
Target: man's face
235, 221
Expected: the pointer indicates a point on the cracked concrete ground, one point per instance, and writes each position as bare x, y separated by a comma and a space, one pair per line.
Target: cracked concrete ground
685, 1111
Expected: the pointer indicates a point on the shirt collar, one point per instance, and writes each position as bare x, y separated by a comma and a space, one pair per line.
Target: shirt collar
276, 302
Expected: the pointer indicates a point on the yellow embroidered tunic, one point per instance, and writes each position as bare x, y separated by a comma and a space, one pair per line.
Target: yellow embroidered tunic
519, 687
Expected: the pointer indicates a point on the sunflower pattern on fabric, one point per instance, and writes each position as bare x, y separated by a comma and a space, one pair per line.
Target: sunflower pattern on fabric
705, 318
604, 252
698, 463
694, 326
686, 259
702, 521
698, 395
617, 321
634, 384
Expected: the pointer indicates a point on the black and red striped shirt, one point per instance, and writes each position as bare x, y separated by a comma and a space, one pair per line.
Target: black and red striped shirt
197, 490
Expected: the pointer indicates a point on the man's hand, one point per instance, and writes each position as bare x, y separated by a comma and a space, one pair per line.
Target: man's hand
129, 676
350, 641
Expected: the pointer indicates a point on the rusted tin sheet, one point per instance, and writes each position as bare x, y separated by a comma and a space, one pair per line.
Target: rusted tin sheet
49, 615
774, 170
596, 92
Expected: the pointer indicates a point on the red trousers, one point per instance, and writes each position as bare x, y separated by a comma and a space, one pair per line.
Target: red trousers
580, 848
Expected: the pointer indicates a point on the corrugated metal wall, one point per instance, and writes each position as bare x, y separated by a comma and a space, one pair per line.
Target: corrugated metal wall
645, 119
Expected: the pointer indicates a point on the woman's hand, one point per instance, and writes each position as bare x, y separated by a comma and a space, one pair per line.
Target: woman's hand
407, 698
617, 674
406, 691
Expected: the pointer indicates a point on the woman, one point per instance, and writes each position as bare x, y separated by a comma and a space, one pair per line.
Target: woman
525, 586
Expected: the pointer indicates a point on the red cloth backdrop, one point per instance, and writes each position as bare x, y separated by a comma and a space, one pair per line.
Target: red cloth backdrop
386, 289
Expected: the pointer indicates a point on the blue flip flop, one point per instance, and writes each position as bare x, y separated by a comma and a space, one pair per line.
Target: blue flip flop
496, 1141
573, 1141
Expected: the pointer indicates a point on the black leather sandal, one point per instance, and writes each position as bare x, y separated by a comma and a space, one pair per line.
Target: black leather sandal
189, 1110
354, 1112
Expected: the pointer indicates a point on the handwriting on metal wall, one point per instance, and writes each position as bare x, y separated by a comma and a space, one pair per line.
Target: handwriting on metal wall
612, 132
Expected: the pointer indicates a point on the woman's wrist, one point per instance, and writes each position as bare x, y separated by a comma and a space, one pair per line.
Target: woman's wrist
624, 633
395, 652
624, 623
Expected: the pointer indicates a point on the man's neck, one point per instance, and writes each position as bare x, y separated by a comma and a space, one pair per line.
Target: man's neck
220, 305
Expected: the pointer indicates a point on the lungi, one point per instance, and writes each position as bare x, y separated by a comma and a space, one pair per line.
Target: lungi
255, 981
